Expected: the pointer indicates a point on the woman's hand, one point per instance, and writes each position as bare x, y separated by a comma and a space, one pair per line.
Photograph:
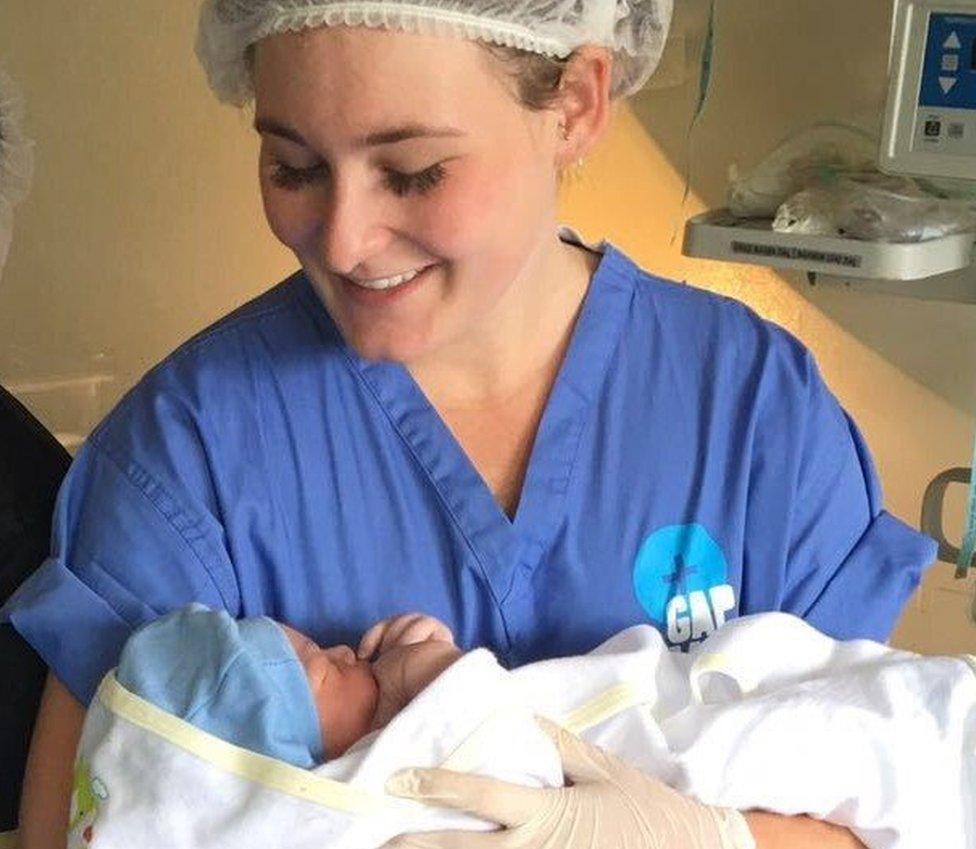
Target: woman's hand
607, 803
404, 630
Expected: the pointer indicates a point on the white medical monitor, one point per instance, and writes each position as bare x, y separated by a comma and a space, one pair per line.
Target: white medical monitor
930, 122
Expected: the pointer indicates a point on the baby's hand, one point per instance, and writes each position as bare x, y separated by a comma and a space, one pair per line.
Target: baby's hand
404, 630
402, 672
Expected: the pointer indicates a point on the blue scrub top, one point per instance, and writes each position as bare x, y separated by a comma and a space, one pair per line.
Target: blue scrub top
690, 466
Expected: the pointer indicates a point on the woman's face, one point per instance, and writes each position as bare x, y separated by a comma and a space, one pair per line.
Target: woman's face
471, 204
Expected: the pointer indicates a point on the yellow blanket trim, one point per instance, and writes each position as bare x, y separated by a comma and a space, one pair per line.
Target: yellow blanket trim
602, 707
252, 766
8, 840
607, 704
304, 784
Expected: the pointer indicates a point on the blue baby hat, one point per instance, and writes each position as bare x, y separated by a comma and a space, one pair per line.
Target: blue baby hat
239, 680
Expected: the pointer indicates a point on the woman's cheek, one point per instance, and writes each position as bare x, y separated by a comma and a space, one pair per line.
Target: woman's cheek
291, 217
463, 213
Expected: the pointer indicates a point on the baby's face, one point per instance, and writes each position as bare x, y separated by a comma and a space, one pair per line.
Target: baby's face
353, 697
344, 690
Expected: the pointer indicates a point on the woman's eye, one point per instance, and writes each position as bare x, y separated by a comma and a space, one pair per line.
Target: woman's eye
421, 182
286, 177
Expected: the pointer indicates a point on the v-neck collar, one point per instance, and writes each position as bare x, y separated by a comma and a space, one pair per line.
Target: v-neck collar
502, 546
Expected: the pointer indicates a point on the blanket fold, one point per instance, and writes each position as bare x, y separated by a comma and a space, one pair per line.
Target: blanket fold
766, 713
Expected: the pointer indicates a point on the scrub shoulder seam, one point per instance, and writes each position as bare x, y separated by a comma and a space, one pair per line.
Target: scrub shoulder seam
282, 298
222, 327
124, 470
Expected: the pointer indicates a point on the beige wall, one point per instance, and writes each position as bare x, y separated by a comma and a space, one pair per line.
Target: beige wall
145, 222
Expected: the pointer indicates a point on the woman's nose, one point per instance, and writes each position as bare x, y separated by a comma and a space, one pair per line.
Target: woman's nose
353, 226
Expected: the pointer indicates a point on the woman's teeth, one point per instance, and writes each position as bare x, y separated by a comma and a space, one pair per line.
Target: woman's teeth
388, 282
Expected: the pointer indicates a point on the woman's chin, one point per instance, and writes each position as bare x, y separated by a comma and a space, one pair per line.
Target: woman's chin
400, 348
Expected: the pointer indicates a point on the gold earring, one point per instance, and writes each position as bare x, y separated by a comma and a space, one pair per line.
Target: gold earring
565, 134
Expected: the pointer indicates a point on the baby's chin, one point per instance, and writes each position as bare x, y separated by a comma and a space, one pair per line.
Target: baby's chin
368, 692
395, 690
389, 702
348, 709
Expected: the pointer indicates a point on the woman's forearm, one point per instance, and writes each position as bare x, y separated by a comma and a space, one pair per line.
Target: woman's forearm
47, 784
775, 831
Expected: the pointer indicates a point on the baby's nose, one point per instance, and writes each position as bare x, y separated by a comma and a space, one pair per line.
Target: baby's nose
342, 654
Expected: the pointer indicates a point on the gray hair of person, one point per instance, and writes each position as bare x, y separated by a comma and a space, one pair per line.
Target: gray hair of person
531, 39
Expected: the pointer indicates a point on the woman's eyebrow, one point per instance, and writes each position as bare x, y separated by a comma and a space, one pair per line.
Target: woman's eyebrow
375, 139
269, 126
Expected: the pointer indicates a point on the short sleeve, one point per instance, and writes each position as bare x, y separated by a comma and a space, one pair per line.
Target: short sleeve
129, 543
850, 566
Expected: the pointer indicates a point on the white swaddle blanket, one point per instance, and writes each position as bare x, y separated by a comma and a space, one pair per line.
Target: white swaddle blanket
766, 713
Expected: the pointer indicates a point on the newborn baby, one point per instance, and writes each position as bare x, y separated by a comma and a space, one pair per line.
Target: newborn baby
355, 694
885, 737
266, 687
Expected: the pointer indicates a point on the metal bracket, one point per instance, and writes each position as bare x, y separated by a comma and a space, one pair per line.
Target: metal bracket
932, 509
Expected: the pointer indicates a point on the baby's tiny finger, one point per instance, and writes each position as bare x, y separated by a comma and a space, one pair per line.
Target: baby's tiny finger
398, 627
371, 640
418, 632
442, 632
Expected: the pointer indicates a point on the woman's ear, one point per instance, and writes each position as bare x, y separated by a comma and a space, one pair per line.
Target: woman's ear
584, 106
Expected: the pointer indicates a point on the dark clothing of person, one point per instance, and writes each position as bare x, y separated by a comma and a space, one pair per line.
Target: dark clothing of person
32, 464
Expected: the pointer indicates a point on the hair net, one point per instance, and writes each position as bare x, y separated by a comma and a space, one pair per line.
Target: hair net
633, 30
16, 161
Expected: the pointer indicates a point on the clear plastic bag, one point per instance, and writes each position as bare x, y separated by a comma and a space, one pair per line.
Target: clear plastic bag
815, 154
874, 208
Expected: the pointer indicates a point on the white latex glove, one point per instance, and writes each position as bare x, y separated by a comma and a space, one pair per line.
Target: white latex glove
607, 805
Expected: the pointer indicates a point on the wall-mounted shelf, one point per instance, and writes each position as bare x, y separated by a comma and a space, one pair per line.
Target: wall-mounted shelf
958, 286
718, 235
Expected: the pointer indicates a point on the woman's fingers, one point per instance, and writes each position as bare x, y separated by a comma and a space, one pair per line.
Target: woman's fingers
581, 760
510, 805
445, 840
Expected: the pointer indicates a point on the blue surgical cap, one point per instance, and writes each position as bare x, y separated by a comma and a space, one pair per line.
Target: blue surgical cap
238, 680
